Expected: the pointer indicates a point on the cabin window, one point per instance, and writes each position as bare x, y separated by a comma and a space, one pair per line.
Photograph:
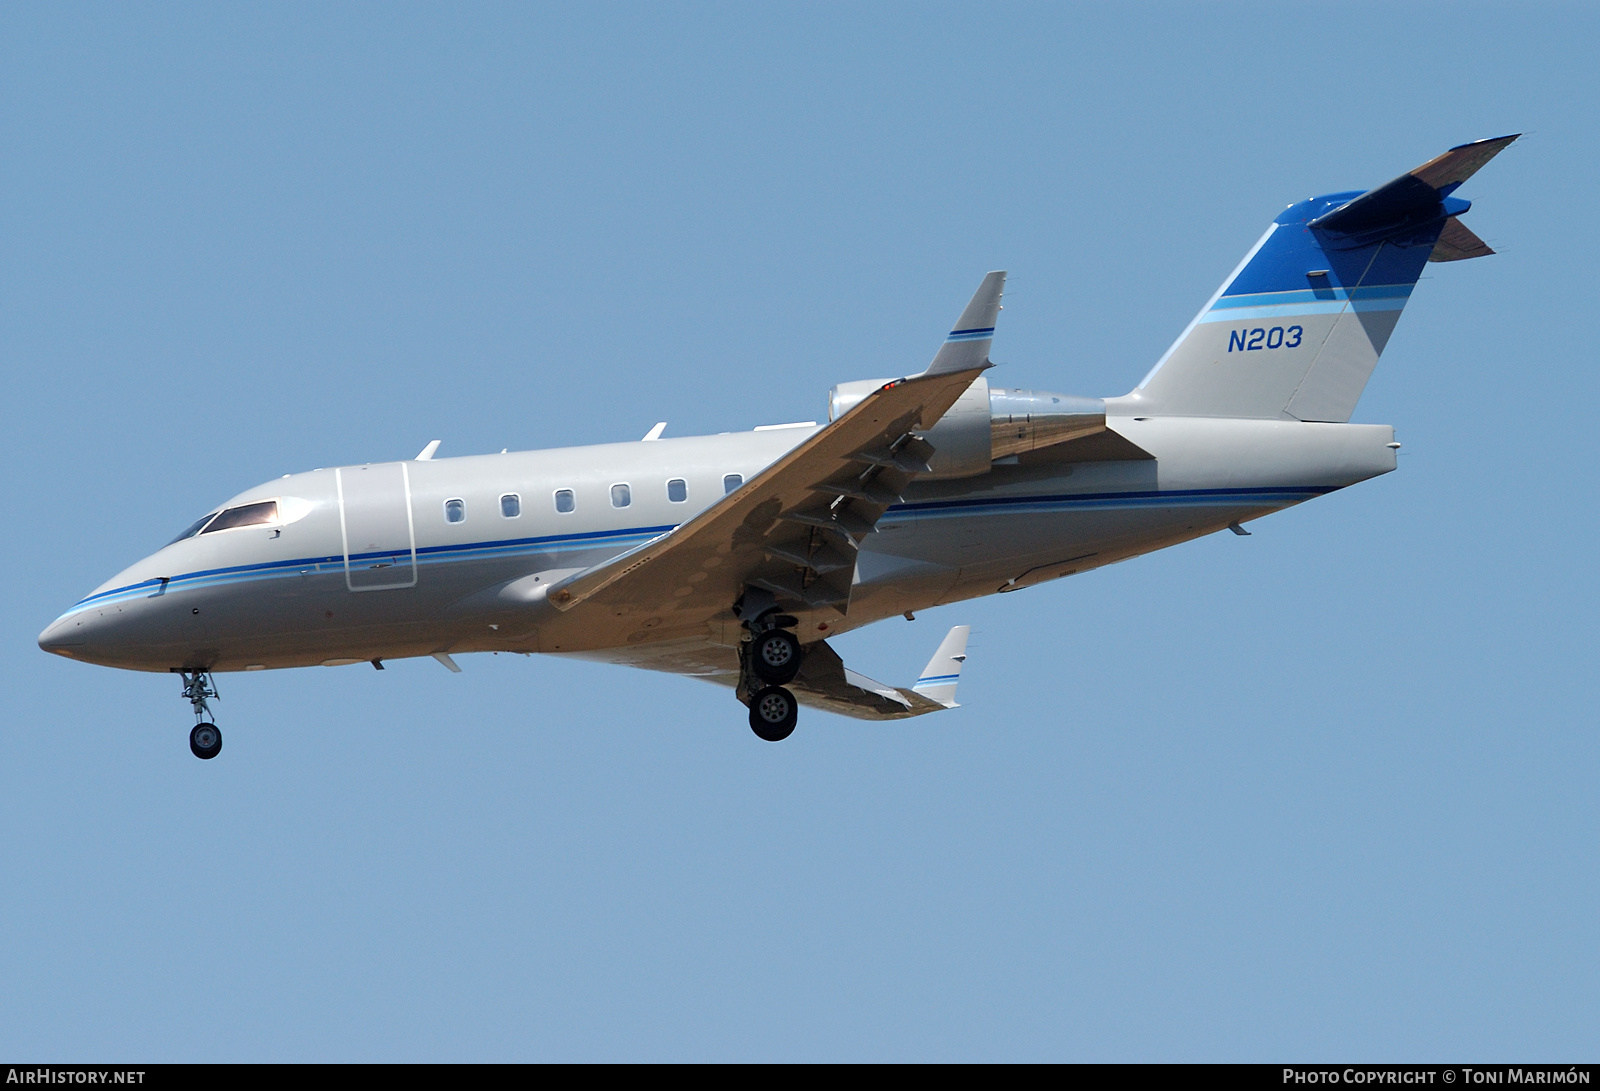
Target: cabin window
621, 496
731, 482
565, 501
455, 511
250, 515
677, 490
511, 505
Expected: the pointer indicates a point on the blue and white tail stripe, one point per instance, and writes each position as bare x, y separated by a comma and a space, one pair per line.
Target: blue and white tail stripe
1295, 304
983, 333
1297, 328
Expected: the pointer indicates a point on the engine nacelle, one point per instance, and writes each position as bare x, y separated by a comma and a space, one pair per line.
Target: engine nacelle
961, 443
988, 423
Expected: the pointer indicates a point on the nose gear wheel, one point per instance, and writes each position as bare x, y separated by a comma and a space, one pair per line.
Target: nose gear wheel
205, 741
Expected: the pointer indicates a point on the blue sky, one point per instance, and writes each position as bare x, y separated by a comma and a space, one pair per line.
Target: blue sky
1324, 792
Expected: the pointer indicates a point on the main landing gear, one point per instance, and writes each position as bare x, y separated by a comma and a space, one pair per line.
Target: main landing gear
769, 659
205, 740
775, 656
773, 712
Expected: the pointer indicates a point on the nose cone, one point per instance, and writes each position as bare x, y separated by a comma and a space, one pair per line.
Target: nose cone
81, 635
61, 637
114, 626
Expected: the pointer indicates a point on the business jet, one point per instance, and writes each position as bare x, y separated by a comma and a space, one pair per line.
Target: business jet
735, 558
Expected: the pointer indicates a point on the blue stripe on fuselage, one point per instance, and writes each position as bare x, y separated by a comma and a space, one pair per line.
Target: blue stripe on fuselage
1101, 501
208, 577
626, 538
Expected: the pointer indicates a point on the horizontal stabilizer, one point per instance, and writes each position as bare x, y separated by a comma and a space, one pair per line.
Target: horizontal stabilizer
1414, 195
1458, 243
1446, 172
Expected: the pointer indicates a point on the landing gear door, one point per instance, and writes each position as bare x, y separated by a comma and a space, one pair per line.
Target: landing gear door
380, 541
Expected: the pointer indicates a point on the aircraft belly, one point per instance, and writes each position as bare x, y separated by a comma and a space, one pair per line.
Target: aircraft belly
1027, 531
1046, 547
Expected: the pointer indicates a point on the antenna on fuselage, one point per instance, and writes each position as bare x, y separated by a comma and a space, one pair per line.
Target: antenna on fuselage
427, 453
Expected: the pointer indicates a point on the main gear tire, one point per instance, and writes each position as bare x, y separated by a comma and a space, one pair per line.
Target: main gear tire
775, 656
773, 712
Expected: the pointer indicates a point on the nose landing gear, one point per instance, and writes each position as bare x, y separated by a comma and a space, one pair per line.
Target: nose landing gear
205, 740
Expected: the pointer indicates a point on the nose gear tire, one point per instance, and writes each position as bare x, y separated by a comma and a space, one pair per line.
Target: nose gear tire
206, 741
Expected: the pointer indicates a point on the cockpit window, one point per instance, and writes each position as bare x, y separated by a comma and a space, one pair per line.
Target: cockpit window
193, 528
247, 515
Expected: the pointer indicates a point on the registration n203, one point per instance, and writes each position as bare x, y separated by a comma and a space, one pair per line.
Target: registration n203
1277, 337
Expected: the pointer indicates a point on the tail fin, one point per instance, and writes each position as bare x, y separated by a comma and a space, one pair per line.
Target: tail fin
1296, 330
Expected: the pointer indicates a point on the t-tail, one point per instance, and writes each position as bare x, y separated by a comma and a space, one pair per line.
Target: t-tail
1295, 331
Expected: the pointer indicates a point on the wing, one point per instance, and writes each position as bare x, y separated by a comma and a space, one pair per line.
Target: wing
824, 682
792, 531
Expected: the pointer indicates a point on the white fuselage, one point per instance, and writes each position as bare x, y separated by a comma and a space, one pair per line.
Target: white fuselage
366, 563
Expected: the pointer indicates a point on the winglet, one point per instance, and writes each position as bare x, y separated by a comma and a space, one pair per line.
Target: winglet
939, 677
968, 343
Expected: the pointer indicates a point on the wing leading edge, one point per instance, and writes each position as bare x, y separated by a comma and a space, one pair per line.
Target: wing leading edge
793, 530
